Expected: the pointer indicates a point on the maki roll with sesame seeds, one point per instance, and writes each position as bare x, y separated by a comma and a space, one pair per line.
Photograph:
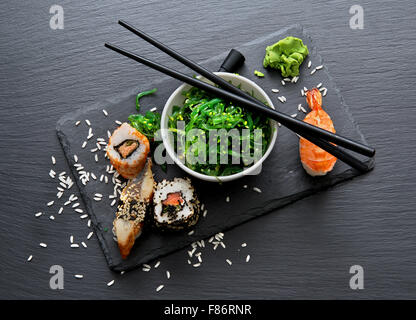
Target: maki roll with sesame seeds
176, 205
133, 207
127, 150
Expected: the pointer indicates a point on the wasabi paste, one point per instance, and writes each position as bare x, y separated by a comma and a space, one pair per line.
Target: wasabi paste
286, 55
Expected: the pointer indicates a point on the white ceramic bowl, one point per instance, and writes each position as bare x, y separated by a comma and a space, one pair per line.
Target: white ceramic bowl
177, 99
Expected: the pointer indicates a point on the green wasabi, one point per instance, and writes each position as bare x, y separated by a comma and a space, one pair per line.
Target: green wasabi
258, 73
286, 55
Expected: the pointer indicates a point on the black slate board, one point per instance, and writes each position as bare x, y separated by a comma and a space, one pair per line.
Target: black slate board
282, 179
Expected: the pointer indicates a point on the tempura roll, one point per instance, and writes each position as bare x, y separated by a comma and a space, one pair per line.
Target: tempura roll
127, 150
134, 205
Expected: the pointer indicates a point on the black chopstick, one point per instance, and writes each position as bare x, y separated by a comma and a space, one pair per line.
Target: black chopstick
291, 123
336, 151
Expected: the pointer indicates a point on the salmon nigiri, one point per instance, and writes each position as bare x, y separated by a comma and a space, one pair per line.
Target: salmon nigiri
316, 161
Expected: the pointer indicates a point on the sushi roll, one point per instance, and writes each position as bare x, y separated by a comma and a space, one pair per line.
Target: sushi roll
133, 207
176, 205
127, 150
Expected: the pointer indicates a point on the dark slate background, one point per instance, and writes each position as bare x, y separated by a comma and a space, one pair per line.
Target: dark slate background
301, 251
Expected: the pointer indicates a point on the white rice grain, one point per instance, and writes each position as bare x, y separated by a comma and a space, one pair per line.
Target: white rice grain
248, 258
53, 160
38, 214
109, 284
313, 71
244, 245
319, 67
77, 123
256, 190
31, 257
79, 276
43, 245
50, 203
157, 264
190, 233
75, 245
84, 144
159, 288
105, 112
153, 109
167, 274
229, 261
275, 90
309, 63
90, 235
88, 122
52, 174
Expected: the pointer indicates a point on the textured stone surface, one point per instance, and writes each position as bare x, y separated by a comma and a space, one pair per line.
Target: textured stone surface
303, 250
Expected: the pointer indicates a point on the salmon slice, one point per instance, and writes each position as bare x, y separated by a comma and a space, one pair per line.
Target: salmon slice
127, 148
173, 199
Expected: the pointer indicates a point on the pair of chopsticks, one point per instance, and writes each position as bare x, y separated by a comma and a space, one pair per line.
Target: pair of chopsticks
320, 137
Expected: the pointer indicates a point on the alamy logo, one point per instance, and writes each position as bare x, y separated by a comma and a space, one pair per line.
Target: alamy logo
357, 20
57, 280
57, 20
357, 280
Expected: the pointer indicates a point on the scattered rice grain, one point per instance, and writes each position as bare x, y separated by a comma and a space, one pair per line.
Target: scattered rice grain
256, 190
